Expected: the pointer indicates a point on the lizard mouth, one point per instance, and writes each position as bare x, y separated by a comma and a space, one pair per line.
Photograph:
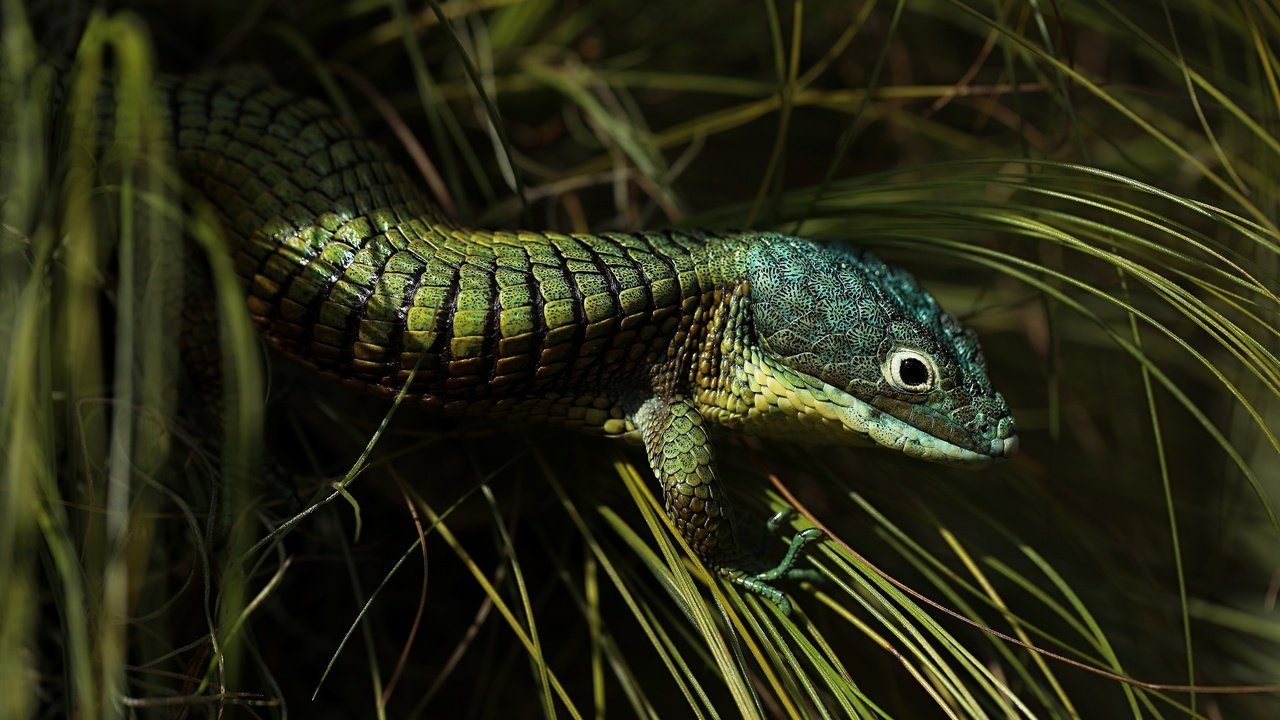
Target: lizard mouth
889, 431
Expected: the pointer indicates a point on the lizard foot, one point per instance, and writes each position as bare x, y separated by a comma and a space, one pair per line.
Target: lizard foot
761, 583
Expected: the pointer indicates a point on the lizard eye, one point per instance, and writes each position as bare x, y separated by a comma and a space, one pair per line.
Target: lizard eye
910, 371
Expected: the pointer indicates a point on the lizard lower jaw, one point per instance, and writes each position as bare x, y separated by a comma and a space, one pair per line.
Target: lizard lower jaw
1004, 448
888, 431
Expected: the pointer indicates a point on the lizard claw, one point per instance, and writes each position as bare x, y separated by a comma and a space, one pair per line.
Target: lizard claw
779, 519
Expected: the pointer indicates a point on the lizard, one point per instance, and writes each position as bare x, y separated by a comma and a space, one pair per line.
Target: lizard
667, 338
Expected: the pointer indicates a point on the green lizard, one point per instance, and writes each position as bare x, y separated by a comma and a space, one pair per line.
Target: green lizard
662, 337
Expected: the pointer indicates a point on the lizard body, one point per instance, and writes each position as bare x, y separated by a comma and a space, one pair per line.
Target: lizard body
660, 337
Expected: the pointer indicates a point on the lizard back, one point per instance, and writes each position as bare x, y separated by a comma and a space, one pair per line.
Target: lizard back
352, 271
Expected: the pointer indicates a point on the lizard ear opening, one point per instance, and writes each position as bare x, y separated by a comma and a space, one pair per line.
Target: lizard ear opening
910, 371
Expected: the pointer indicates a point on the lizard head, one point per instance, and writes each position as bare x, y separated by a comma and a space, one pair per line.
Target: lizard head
872, 350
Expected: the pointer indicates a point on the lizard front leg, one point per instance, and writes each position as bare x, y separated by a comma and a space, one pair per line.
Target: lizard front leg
682, 457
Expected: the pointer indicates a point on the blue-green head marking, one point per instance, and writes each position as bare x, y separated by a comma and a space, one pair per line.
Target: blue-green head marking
890, 363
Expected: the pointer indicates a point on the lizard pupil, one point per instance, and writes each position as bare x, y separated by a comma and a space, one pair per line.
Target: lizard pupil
913, 372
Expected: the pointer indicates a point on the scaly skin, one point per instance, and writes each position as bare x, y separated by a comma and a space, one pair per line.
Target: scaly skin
662, 337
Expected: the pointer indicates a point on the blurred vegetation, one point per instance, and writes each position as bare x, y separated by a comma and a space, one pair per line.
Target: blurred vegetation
1093, 186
